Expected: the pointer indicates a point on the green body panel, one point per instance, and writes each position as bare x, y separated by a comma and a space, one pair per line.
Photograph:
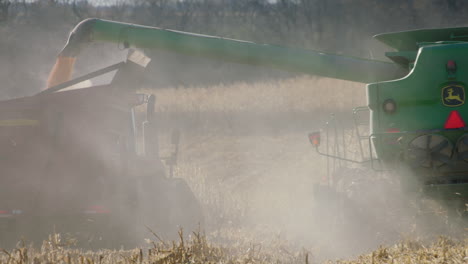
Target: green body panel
409, 40
419, 95
289, 59
421, 111
407, 43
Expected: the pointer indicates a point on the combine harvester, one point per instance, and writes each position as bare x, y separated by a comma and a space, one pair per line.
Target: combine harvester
417, 134
69, 156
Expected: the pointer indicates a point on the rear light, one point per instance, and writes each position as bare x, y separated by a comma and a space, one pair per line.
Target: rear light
451, 68
314, 139
389, 106
454, 121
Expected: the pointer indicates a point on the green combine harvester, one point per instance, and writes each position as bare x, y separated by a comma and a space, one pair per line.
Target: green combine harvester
417, 101
417, 125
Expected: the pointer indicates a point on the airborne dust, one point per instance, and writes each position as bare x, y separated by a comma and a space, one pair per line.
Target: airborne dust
254, 170
245, 154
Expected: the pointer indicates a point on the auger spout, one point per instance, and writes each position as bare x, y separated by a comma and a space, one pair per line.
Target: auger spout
244, 52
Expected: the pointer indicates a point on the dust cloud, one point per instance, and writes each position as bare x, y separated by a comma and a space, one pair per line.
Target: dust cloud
245, 170
256, 173
263, 184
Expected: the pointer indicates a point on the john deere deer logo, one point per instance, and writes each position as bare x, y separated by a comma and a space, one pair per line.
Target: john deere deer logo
453, 95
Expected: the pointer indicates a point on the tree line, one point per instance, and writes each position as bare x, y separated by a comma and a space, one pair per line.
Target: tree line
338, 26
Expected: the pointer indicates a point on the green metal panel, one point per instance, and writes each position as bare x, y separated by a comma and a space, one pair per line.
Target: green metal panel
418, 96
409, 40
422, 110
289, 59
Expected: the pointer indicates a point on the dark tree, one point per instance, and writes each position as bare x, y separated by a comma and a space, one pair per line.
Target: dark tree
4, 10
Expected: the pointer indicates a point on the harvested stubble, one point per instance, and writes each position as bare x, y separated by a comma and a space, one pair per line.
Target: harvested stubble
254, 160
442, 251
236, 171
199, 250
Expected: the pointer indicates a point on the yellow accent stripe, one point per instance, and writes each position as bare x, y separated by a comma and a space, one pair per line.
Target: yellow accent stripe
18, 122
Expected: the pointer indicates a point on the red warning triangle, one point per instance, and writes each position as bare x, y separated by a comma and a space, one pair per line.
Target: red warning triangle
454, 120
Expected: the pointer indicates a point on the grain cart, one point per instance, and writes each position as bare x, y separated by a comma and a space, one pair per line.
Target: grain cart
85, 163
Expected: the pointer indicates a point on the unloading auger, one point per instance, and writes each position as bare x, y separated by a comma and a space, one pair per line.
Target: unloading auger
245, 52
